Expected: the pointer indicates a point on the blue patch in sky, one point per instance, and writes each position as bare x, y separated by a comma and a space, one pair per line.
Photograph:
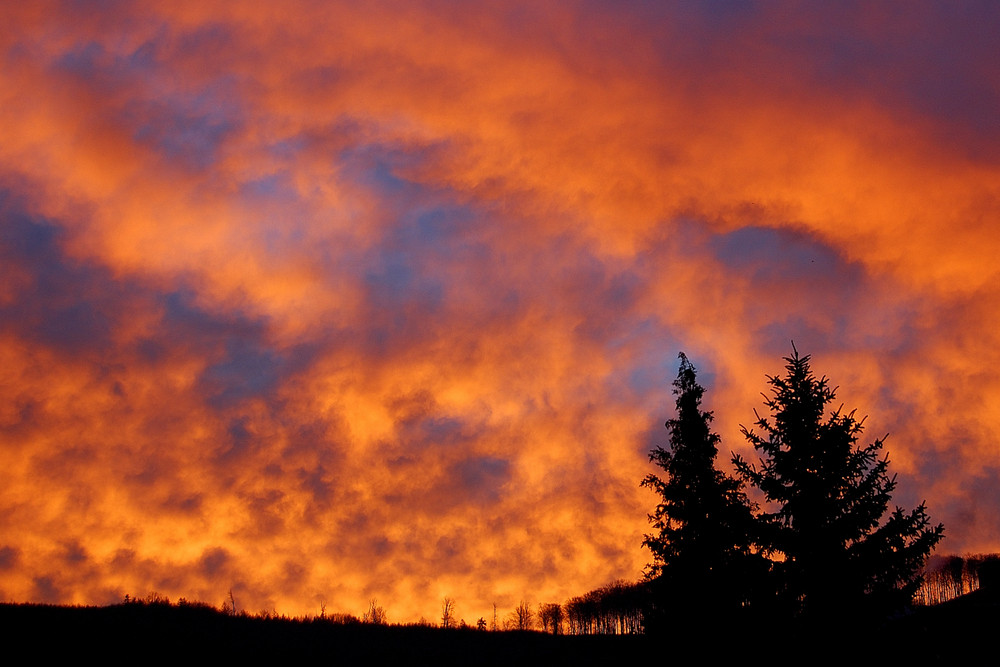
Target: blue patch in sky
655, 363
65, 304
185, 129
248, 370
183, 320
268, 187
434, 429
775, 254
184, 126
83, 61
243, 364
480, 478
412, 266
398, 283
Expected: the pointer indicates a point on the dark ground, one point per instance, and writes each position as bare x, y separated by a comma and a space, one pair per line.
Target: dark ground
140, 631
960, 630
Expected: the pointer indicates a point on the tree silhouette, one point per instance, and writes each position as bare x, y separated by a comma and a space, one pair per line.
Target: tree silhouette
448, 613
616, 608
703, 563
522, 618
376, 614
831, 495
550, 615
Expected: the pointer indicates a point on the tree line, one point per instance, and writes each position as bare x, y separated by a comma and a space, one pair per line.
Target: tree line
954, 576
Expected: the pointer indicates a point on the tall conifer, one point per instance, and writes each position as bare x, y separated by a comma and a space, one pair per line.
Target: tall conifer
703, 521
830, 496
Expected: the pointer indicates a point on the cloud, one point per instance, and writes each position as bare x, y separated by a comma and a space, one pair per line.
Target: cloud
336, 302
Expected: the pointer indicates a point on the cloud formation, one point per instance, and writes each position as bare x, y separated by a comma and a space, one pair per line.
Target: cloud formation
329, 302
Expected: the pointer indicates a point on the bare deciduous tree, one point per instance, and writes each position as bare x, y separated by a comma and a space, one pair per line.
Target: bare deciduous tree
448, 613
550, 616
376, 614
229, 606
522, 618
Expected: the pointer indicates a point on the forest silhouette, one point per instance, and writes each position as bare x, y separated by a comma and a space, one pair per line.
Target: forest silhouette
817, 557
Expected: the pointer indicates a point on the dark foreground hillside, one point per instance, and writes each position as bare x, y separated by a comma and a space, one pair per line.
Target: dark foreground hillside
186, 632
956, 630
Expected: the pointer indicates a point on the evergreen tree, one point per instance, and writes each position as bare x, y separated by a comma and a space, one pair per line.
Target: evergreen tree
702, 558
830, 496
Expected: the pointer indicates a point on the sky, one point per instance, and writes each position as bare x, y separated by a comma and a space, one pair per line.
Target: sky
326, 302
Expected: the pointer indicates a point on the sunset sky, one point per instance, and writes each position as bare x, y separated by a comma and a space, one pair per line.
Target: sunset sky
324, 302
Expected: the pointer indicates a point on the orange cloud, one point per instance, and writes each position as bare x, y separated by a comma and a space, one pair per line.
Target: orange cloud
334, 302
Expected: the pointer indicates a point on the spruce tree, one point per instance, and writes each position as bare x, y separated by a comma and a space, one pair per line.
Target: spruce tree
702, 558
830, 496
